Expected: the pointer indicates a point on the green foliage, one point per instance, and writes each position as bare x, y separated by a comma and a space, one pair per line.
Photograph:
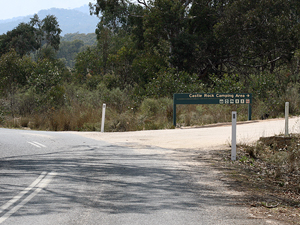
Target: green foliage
115, 98
227, 84
121, 64
145, 67
46, 52
14, 72
88, 39
291, 95
23, 39
69, 51
51, 30
89, 63
46, 80
26, 102
45, 76
29, 37
155, 113
169, 81
260, 34
150, 107
153, 107
153, 49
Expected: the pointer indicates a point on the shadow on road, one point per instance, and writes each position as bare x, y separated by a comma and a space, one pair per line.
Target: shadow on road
115, 179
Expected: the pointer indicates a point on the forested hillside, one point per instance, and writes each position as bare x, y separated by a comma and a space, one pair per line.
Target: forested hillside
70, 20
144, 53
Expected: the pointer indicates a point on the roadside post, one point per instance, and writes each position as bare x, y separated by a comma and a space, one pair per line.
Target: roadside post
287, 119
233, 136
249, 111
103, 117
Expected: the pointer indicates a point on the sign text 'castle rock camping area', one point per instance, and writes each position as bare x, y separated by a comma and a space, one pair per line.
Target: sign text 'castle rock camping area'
211, 98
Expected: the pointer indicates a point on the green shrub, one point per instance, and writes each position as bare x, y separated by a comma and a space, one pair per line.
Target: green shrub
157, 107
169, 81
292, 96
122, 122
228, 83
150, 107
26, 102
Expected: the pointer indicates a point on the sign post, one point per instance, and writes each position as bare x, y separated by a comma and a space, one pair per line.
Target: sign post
233, 136
249, 111
212, 98
174, 114
286, 119
103, 118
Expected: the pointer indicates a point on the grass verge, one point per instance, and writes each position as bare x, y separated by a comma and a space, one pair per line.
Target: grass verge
268, 172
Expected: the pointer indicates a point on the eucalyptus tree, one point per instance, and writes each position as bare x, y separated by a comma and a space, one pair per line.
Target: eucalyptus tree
22, 39
180, 33
29, 37
260, 34
203, 36
14, 73
51, 30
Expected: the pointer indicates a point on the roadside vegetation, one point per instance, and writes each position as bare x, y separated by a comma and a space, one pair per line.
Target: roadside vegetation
143, 53
268, 172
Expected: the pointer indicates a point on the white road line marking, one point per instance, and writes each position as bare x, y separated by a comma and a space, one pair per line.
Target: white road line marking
40, 185
36, 144
22, 193
33, 144
39, 144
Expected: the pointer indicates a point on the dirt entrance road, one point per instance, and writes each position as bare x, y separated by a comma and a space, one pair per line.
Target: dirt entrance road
207, 137
192, 149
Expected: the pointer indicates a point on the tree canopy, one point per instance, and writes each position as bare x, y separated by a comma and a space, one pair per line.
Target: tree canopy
29, 37
208, 36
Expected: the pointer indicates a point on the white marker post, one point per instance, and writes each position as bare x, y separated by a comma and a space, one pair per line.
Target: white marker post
286, 119
233, 137
103, 118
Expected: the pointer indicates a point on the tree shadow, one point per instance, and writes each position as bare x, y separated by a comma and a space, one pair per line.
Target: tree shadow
112, 179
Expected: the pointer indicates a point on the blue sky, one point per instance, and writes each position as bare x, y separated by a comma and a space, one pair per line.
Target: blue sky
15, 8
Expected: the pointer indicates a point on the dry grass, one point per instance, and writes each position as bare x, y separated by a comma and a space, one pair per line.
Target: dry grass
151, 114
269, 173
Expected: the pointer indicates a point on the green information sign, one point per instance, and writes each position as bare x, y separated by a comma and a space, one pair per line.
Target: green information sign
212, 98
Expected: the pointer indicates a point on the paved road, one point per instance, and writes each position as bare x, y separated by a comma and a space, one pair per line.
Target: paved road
91, 178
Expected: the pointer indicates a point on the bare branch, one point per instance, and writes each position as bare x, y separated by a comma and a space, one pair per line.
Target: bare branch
143, 2
187, 2
253, 66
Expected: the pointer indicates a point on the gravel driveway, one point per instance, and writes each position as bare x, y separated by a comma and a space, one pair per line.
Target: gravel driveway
192, 148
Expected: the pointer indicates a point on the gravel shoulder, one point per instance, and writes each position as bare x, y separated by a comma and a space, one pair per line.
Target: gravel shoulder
198, 149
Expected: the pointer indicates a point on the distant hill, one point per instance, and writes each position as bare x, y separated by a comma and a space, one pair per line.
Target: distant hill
76, 20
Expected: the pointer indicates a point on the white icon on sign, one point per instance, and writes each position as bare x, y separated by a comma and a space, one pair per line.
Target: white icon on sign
226, 101
231, 101
221, 101
237, 101
242, 101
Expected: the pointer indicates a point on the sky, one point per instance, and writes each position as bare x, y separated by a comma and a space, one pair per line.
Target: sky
15, 8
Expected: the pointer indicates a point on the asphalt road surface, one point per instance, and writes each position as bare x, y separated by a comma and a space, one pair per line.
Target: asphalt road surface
147, 177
